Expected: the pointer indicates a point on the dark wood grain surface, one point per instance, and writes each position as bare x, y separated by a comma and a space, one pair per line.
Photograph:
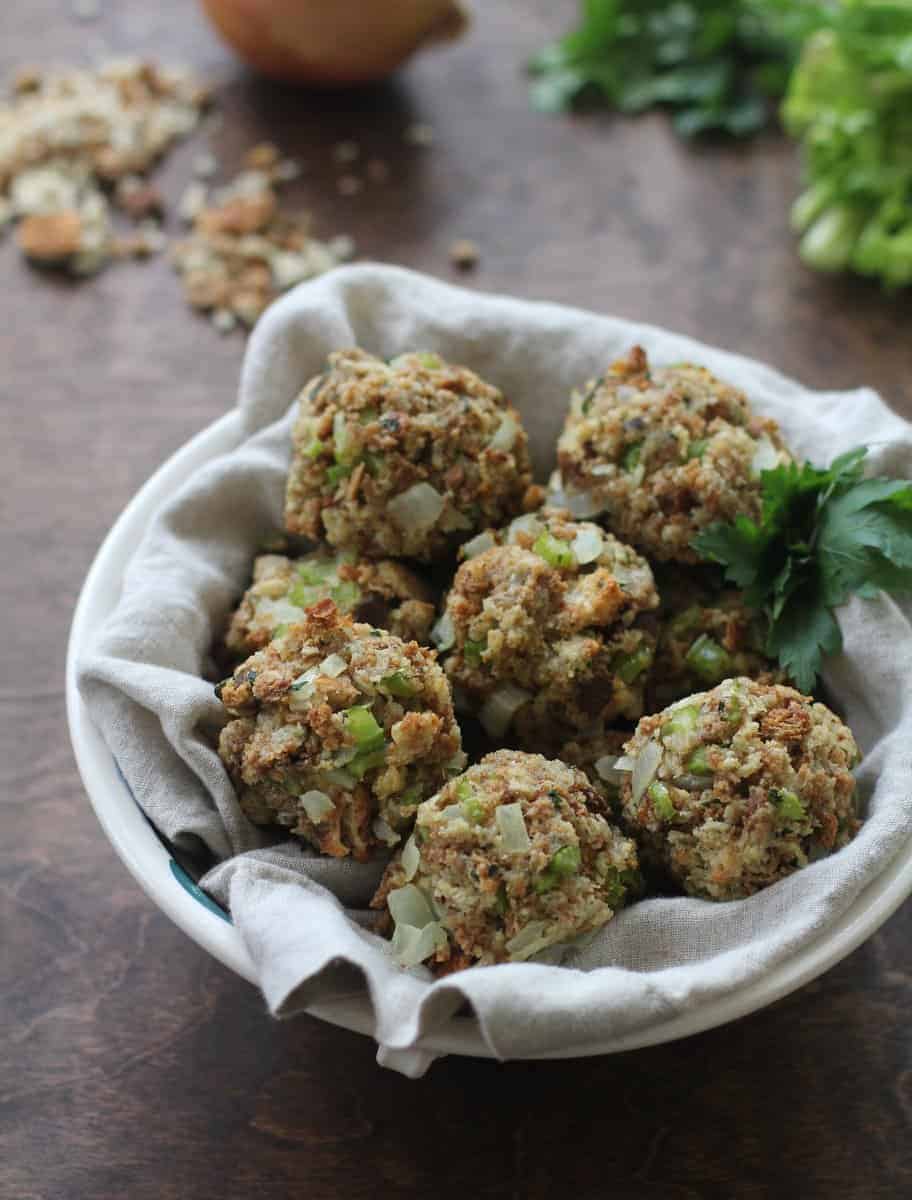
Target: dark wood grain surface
133, 1065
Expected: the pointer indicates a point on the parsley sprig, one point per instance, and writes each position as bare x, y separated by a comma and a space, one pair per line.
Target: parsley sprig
823, 536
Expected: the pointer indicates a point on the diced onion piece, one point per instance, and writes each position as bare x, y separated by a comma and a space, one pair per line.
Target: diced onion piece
501, 707
333, 666
530, 939
602, 469
418, 507
412, 945
453, 521
528, 524
607, 768
443, 635
317, 805
409, 906
588, 544
478, 544
766, 456
512, 826
384, 832
647, 763
282, 612
411, 858
580, 504
624, 763
505, 437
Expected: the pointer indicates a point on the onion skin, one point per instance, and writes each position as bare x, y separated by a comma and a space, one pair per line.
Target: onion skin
336, 44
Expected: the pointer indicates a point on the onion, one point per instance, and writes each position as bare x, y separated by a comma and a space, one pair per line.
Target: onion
512, 826
603, 469
282, 612
607, 768
530, 939
766, 456
411, 858
348, 41
580, 504
333, 666
412, 945
500, 708
409, 906
478, 544
443, 635
317, 805
384, 832
624, 763
505, 437
453, 521
528, 524
588, 544
645, 767
418, 507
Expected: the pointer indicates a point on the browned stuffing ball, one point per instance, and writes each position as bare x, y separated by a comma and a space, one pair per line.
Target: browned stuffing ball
404, 459
340, 731
383, 593
736, 788
547, 634
511, 857
706, 634
663, 452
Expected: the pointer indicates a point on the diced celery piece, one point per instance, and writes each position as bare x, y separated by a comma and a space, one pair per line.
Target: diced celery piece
698, 764
707, 659
734, 709
474, 810
697, 448
474, 650
431, 361
280, 631
566, 861
336, 473
365, 761
631, 456
662, 804
685, 621
316, 571
633, 665
314, 449
682, 720
362, 725
555, 552
303, 595
788, 804
345, 595
398, 684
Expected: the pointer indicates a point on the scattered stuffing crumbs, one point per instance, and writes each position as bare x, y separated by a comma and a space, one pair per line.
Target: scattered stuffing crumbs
242, 252
464, 254
72, 142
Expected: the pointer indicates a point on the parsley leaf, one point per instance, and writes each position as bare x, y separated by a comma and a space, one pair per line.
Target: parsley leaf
824, 536
712, 62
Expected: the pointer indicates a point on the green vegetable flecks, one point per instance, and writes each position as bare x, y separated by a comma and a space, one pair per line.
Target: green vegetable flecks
824, 535
712, 62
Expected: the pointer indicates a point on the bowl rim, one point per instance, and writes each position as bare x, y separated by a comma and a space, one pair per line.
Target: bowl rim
150, 863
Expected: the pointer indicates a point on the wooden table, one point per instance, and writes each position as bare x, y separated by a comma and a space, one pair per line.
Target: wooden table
133, 1065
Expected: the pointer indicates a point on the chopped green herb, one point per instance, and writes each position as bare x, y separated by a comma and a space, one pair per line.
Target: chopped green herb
630, 459
336, 473
474, 650
564, 863
697, 448
555, 799
698, 763
314, 449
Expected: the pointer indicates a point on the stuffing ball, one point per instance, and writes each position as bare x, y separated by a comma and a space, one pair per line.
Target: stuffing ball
663, 453
706, 634
733, 789
508, 859
546, 630
340, 732
404, 459
384, 593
